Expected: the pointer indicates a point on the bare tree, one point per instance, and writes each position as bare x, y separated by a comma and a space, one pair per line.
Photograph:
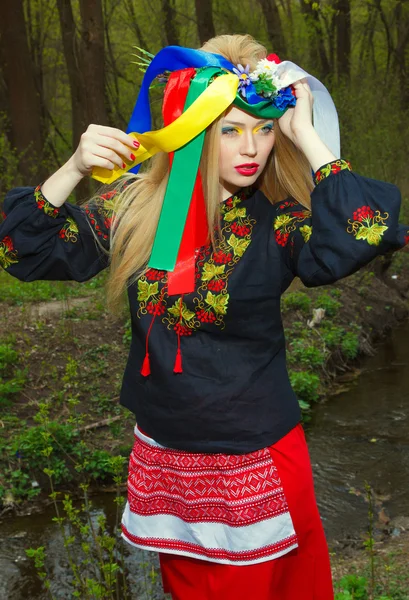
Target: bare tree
205, 25
273, 24
396, 28
93, 60
22, 95
72, 52
169, 13
401, 59
343, 27
311, 12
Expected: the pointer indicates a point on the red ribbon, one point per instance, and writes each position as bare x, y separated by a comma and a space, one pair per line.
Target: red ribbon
196, 233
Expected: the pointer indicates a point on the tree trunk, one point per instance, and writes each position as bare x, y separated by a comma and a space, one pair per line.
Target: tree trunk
317, 49
72, 55
205, 25
72, 59
134, 24
273, 24
93, 60
401, 62
343, 24
23, 98
169, 15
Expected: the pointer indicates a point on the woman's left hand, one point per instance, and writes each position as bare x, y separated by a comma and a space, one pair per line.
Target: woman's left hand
297, 121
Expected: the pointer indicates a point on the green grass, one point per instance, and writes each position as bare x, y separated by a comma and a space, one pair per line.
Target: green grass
13, 291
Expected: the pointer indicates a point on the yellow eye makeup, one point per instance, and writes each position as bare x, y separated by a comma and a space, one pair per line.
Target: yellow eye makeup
231, 130
264, 128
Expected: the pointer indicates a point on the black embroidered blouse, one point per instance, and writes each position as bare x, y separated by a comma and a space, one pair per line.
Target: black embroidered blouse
232, 394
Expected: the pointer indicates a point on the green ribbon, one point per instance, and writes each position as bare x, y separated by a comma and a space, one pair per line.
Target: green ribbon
264, 109
183, 175
180, 186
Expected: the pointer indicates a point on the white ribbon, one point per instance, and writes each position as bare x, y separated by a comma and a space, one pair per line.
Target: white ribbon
325, 115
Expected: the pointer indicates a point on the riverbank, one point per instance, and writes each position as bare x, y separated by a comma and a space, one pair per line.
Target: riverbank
62, 359
61, 371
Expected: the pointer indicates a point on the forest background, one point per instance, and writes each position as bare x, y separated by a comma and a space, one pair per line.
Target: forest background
67, 63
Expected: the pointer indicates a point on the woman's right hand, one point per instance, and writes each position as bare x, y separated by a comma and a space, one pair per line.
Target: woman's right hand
104, 147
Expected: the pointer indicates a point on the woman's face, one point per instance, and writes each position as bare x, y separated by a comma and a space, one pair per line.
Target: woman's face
246, 143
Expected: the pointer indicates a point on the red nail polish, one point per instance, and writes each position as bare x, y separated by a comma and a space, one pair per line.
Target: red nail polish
123, 165
132, 156
136, 144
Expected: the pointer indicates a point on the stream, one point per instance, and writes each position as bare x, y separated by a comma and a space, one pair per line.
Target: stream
360, 435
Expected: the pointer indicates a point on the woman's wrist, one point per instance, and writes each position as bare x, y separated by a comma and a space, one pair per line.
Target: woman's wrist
59, 186
311, 145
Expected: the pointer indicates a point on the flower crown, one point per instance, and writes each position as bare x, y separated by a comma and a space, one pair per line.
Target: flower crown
266, 82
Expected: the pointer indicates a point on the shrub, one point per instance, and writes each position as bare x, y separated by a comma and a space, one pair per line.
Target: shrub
350, 345
305, 385
328, 303
303, 353
296, 301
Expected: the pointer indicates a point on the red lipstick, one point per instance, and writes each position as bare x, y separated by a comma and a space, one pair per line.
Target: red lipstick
247, 169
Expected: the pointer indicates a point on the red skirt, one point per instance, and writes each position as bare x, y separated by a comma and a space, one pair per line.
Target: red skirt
302, 574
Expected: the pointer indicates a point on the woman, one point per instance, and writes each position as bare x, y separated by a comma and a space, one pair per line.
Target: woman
220, 480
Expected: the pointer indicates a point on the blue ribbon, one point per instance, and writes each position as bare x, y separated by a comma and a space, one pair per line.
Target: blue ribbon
173, 58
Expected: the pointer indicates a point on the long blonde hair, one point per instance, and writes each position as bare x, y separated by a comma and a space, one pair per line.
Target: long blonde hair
137, 207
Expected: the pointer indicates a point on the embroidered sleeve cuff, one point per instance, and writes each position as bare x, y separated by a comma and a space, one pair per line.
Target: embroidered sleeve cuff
44, 205
331, 169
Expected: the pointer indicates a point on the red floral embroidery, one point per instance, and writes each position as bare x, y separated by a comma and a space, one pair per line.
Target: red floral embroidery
281, 238
182, 330
154, 275
209, 303
155, 308
288, 222
221, 257
8, 242
108, 195
216, 285
69, 232
288, 203
104, 207
363, 213
241, 230
8, 255
331, 168
368, 225
206, 315
44, 205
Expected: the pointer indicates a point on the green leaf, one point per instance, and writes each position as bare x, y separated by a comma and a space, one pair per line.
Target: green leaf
235, 213
146, 290
306, 232
375, 234
362, 233
239, 245
218, 303
210, 271
304, 405
187, 314
282, 221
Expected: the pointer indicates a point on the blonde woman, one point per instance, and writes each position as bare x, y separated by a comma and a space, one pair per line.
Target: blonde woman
220, 481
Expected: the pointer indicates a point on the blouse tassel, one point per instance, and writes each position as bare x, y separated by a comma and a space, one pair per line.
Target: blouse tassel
146, 367
178, 362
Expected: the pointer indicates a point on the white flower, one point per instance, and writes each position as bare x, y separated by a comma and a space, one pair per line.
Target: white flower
267, 68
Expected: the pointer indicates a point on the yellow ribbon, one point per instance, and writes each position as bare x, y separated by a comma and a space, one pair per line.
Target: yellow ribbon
211, 103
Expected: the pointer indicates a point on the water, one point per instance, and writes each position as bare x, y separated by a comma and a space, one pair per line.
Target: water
359, 435
363, 435
18, 580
